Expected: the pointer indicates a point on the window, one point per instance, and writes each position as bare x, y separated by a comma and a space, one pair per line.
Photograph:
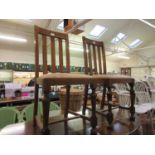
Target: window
97, 31
135, 43
120, 37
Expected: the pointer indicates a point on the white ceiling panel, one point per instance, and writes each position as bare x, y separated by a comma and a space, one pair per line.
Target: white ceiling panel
133, 28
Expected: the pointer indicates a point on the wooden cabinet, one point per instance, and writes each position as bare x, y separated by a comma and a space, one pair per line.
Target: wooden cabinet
126, 71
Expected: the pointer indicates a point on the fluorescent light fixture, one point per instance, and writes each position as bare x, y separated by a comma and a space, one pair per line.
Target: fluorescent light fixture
135, 43
147, 23
61, 26
120, 36
123, 57
76, 49
97, 31
11, 38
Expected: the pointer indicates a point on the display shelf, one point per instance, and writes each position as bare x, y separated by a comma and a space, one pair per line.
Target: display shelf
31, 67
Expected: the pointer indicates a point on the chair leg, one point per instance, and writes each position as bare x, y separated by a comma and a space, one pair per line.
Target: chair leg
93, 117
35, 110
46, 105
132, 107
151, 121
141, 126
67, 101
85, 100
103, 97
110, 114
66, 127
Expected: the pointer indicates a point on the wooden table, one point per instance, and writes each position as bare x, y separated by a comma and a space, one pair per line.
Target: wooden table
17, 100
79, 126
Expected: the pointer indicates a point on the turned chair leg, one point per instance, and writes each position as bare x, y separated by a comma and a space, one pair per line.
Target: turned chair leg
35, 110
132, 97
66, 109
103, 97
110, 114
151, 120
85, 100
46, 105
93, 117
67, 101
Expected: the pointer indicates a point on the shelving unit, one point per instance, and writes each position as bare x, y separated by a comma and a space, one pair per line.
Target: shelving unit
126, 71
31, 67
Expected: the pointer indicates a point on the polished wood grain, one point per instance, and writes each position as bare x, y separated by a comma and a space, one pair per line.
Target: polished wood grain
53, 57
60, 55
98, 56
67, 57
102, 78
64, 77
44, 53
82, 127
95, 63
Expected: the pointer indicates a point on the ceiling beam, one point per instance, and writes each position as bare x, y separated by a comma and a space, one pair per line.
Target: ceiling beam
78, 25
147, 23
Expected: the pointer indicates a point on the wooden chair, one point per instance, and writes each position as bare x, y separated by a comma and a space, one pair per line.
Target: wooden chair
151, 83
64, 77
95, 65
143, 104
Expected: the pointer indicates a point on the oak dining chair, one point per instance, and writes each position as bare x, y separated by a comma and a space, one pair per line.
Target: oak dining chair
95, 65
51, 46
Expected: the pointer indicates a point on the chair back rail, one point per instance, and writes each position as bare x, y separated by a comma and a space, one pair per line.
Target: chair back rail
54, 38
142, 93
94, 57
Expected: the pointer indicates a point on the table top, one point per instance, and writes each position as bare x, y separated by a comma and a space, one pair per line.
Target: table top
121, 126
17, 99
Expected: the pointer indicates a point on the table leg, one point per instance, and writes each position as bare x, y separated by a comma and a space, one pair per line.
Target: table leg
110, 114
132, 97
46, 105
93, 117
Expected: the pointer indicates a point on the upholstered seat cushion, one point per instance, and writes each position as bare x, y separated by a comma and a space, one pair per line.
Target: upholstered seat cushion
113, 78
64, 79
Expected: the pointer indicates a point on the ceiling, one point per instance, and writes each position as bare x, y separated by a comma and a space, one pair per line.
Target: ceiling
133, 28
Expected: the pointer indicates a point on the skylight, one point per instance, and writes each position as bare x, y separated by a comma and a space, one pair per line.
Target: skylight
97, 31
61, 26
120, 36
135, 43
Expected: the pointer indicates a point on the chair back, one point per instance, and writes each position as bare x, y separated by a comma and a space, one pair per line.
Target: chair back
151, 82
123, 94
94, 57
51, 44
8, 115
142, 93
121, 87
